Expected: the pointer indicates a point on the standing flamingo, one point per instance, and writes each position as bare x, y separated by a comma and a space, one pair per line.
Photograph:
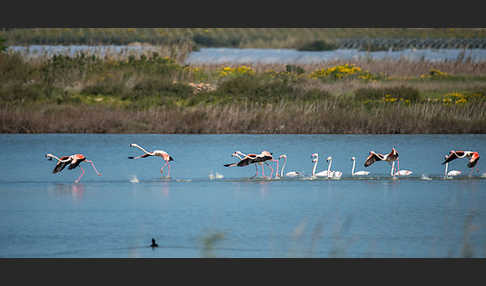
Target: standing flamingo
164, 155
315, 159
288, 174
463, 154
451, 173
248, 159
73, 161
359, 173
332, 174
401, 172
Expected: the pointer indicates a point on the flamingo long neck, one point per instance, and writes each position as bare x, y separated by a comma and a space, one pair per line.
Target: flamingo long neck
283, 167
354, 165
329, 168
139, 147
315, 166
58, 159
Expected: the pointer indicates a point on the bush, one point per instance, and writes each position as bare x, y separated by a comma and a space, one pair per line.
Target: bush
402, 92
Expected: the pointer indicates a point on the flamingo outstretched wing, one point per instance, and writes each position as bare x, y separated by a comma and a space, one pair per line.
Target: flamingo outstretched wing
65, 160
453, 155
373, 157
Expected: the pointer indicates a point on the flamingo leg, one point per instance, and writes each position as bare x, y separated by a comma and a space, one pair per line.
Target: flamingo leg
263, 171
271, 174
79, 178
162, 169
256, 169
276, 174
91, 162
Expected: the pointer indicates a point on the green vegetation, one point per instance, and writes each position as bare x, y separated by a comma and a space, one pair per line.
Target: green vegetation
156, 94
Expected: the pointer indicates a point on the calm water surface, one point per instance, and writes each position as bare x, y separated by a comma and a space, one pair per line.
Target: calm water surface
264, 56
113, 215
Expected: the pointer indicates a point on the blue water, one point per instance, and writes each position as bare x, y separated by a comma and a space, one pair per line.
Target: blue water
48, 215
290, 56
264, 56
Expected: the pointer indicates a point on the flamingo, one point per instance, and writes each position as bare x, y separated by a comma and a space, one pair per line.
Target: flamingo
73, 161
474, 158
332, 174
359, 173
164, 155
390, 157
451, 173
240, 155
315, 159
401, 172
288, 174
247, 159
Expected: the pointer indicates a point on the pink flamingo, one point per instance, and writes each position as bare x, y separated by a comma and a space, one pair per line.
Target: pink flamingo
73, 161
160, 153
474, 158
247, 159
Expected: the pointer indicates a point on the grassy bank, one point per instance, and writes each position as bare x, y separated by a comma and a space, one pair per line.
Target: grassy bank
155, 94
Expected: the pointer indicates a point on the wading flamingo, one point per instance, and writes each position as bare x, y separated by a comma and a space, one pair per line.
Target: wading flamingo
474, 158
164, 155
315, 159
332, 174
359, 173
288, 174
401, 172
247, 159
73, 161
451, 173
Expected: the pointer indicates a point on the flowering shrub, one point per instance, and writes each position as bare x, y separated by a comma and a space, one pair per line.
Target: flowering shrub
241, 70
341, 72
455, 97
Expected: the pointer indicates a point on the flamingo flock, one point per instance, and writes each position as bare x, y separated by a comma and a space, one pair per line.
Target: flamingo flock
263, 158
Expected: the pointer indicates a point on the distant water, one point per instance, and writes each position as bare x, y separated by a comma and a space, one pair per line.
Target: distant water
117, 214
289, 56
266, 56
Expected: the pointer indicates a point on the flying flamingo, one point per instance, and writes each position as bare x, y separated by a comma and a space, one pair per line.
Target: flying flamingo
332, 174
288, 174
247, 159
240, 155
359, 173
73, 161
390, 157
451, 173
164, 155
474, 158
315, 159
